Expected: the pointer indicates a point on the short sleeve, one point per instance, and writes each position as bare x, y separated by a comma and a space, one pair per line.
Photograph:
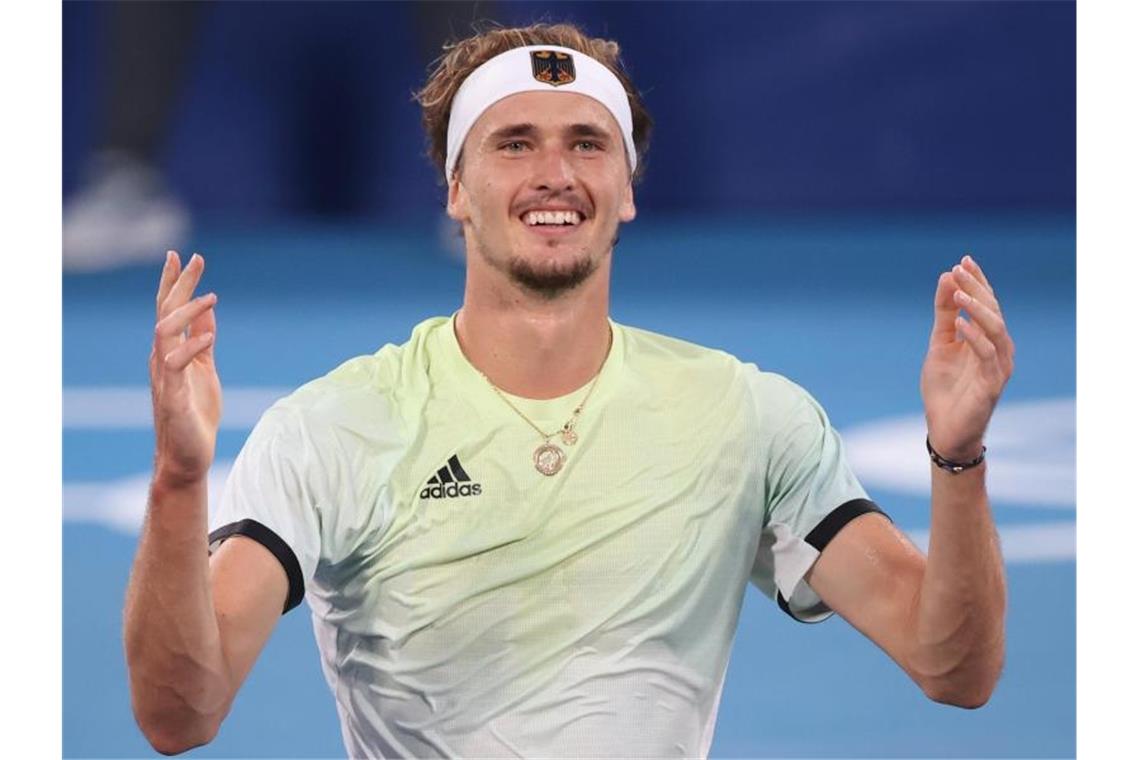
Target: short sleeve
810, 495
270, 497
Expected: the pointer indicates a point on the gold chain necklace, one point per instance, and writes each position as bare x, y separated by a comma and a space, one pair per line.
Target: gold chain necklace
549, 457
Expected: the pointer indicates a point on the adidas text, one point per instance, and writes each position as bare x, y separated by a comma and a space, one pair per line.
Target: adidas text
450, 481
451, 490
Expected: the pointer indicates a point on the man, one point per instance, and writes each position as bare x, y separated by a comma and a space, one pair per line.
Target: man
528, 530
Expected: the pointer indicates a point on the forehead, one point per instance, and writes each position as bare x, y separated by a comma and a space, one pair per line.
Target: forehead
547, 111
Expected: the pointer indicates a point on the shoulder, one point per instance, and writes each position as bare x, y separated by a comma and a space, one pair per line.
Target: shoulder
776, 400
654, 344
663, 356
783, 404
364, 396
775, 392
667, 355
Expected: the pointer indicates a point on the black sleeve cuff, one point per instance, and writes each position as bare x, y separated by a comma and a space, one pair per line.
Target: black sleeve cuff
828, 529
273, 542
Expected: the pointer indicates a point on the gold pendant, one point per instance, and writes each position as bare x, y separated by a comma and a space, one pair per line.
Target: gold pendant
569, 437
548, 458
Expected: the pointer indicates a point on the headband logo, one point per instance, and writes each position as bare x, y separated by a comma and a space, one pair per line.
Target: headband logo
552, 67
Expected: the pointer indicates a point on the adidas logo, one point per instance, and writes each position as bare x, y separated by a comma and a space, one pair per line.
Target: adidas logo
450, 481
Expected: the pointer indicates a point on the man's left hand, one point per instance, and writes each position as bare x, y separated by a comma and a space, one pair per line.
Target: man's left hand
968, 363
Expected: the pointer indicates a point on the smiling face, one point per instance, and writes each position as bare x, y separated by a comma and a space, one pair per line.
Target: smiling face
540, 190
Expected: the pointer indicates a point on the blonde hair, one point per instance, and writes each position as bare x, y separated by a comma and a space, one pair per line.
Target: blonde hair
461, 58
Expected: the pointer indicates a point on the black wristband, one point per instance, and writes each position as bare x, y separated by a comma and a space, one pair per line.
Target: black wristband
954, 467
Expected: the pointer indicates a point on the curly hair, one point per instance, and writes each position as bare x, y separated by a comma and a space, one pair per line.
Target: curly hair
461, 58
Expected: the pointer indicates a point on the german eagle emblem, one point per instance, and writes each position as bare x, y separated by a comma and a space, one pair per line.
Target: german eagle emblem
552, 67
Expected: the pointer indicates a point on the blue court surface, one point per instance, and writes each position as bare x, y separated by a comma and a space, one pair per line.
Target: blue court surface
841, 305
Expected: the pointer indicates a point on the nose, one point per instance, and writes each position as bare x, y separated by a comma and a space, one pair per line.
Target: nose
553, 171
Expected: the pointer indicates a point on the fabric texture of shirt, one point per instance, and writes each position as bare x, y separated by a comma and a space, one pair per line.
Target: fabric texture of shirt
465, 604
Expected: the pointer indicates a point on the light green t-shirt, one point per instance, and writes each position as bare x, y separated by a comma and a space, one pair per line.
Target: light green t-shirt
466, 604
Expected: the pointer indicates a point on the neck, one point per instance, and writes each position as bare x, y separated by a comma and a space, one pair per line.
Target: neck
529, 345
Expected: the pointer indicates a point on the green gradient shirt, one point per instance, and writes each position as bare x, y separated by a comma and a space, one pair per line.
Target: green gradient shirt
466, 604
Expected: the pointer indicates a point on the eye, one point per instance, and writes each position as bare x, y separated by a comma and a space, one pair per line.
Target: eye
514, 146
587, 146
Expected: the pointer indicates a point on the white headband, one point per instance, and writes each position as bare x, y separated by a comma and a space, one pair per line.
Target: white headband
537, 68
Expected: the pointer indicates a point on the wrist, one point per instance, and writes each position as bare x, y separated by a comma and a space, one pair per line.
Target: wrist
168, 480
955, 451
960, 459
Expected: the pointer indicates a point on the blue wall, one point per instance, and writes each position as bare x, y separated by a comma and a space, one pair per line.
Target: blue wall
305, 108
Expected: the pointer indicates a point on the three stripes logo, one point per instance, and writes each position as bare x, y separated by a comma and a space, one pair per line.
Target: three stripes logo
450, 481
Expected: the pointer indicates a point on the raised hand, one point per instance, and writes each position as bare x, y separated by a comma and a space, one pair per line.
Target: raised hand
185, 389
968, 363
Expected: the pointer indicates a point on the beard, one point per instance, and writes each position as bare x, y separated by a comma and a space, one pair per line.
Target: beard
548, 280
544, 278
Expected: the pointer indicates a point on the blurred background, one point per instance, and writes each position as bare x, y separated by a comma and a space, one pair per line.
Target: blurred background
814, 166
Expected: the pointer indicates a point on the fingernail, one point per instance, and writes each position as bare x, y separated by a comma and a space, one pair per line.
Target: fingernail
961, 295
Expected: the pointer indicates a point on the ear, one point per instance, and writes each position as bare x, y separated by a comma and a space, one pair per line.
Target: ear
628, 211
457, 207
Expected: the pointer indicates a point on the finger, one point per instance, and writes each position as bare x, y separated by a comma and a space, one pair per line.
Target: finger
990, 323
982, 347
178, 359
974, 287
184, 286
945, 310
204, 323
169, 331
975, 269
170, 270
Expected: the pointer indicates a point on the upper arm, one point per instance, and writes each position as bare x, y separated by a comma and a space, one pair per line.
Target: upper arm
810, 495
871, 574
264, 539
250, 588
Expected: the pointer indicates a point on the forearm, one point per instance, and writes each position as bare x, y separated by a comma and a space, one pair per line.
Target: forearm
960, 613
180, 685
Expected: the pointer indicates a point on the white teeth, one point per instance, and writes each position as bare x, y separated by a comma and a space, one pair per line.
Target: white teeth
533, 218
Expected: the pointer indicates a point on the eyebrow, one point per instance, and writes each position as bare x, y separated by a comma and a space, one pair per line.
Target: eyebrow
588, 130
513, 130
527, 129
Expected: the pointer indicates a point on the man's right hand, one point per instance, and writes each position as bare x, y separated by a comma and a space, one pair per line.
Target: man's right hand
185, 390
194, 622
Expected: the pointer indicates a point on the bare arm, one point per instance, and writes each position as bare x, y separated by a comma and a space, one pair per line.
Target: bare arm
941, 617
961, 614
193, 625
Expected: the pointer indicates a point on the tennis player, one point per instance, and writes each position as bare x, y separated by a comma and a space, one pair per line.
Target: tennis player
527, 531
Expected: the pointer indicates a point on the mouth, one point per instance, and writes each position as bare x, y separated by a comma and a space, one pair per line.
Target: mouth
552, 222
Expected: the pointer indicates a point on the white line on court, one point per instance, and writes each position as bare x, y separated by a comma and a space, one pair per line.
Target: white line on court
1026, 544
1032, 454
1031, 451
128, 407
120, 504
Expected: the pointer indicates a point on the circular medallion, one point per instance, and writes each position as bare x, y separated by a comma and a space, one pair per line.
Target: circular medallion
548, 459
